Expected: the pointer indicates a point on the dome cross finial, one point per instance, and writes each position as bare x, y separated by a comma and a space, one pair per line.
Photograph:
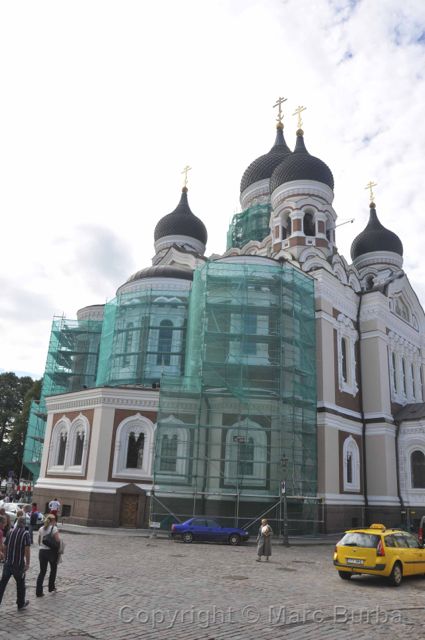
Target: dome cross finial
279, 103
298, 111
185, 171
370, 186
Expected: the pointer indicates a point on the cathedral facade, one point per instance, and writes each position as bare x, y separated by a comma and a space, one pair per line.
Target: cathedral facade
210, 386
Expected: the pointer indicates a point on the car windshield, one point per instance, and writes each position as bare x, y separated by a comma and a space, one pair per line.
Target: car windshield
365, 540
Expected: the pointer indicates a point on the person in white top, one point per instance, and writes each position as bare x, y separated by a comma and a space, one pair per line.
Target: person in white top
49, 542
54, 507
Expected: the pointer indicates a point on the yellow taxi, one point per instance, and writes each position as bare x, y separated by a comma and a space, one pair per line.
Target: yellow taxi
379, 551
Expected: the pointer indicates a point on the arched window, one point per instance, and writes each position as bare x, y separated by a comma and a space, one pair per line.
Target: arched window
169, 445
349, 470
128, 343
417, 463
309, 226
351, 465
79, 448
69, 446
344, 368
165, 340
394, 370
246, 457
135, 447
403, 375
62, 449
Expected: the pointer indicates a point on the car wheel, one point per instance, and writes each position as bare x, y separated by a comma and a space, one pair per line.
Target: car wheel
345, 575
234, 539
396, 575
187, 537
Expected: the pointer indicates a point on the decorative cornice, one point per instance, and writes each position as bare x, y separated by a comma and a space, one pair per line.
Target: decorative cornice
143, 399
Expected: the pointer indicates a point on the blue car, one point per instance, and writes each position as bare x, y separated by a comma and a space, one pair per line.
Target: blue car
204, 529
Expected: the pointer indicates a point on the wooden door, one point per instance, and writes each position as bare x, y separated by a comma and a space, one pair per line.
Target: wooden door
128, 511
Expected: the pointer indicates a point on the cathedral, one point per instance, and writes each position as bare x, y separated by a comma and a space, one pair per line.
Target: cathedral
213, 386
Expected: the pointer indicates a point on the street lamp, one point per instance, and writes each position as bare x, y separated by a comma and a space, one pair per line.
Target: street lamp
284, 465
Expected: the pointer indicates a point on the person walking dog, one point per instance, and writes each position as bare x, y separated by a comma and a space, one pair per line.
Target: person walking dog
264, 542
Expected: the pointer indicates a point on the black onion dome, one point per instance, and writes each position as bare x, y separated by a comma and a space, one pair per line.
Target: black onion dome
300, 165
375, 237
263, 167
162, 271
181, 222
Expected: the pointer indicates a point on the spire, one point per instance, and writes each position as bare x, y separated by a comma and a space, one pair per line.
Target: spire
279, 103
298, 111
300, 144
185, 171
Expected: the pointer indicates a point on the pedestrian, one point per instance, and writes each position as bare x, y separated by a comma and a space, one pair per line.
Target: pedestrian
264, 542
54, 506
3, 522
8, 523
17, 561
49, 542
34, 515
19, 514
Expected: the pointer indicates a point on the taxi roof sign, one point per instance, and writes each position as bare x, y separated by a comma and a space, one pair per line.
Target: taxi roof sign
381, 527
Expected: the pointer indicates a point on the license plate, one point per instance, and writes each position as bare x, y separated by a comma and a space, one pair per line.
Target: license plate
354, 561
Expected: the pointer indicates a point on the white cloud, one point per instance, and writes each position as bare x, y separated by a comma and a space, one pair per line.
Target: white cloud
104, 102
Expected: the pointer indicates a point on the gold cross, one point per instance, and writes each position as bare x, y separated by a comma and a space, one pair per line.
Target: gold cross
279, 104
370, 186
298, 112
185, 171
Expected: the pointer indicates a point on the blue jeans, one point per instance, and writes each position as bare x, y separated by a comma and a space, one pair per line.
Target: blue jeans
19, 574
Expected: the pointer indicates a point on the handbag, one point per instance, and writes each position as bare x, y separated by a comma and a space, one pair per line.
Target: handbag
49, 541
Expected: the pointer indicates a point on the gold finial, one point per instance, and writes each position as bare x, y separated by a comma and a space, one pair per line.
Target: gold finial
185, 171
370, 186
279, 103
298, 112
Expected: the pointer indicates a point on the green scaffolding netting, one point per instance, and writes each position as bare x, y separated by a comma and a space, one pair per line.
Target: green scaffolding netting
251, 224
71, 366
243, 418
143, 336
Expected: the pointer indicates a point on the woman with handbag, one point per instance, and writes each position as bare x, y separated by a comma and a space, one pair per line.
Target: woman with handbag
49, 542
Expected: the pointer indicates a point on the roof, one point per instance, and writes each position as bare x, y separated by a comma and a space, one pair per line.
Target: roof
263, 167
181, 222
300, 165
375, 237
413, 411
162, 271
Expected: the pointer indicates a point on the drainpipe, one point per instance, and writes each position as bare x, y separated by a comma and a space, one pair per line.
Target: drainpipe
364, 473
397, 466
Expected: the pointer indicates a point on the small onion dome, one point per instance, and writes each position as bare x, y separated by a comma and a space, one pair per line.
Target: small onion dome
181, 222
263, 167
300, 165
375, 237
162, 271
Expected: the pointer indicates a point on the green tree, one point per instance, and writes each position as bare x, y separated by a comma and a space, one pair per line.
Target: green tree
19, 430
13, 391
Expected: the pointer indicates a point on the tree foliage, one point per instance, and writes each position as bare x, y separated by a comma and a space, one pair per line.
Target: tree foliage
16, 395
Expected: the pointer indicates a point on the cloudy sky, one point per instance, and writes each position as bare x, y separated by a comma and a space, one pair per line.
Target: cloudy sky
104, 102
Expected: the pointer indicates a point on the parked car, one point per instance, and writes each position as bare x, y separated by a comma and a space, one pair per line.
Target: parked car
11, 508
379, 551
205, 529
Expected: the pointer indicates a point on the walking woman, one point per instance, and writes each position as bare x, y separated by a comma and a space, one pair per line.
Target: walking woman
264, 542
49, 541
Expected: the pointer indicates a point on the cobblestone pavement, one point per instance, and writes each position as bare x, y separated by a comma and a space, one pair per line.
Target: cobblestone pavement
133, 587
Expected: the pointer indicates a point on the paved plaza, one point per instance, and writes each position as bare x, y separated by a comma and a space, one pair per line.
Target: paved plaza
128, 586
